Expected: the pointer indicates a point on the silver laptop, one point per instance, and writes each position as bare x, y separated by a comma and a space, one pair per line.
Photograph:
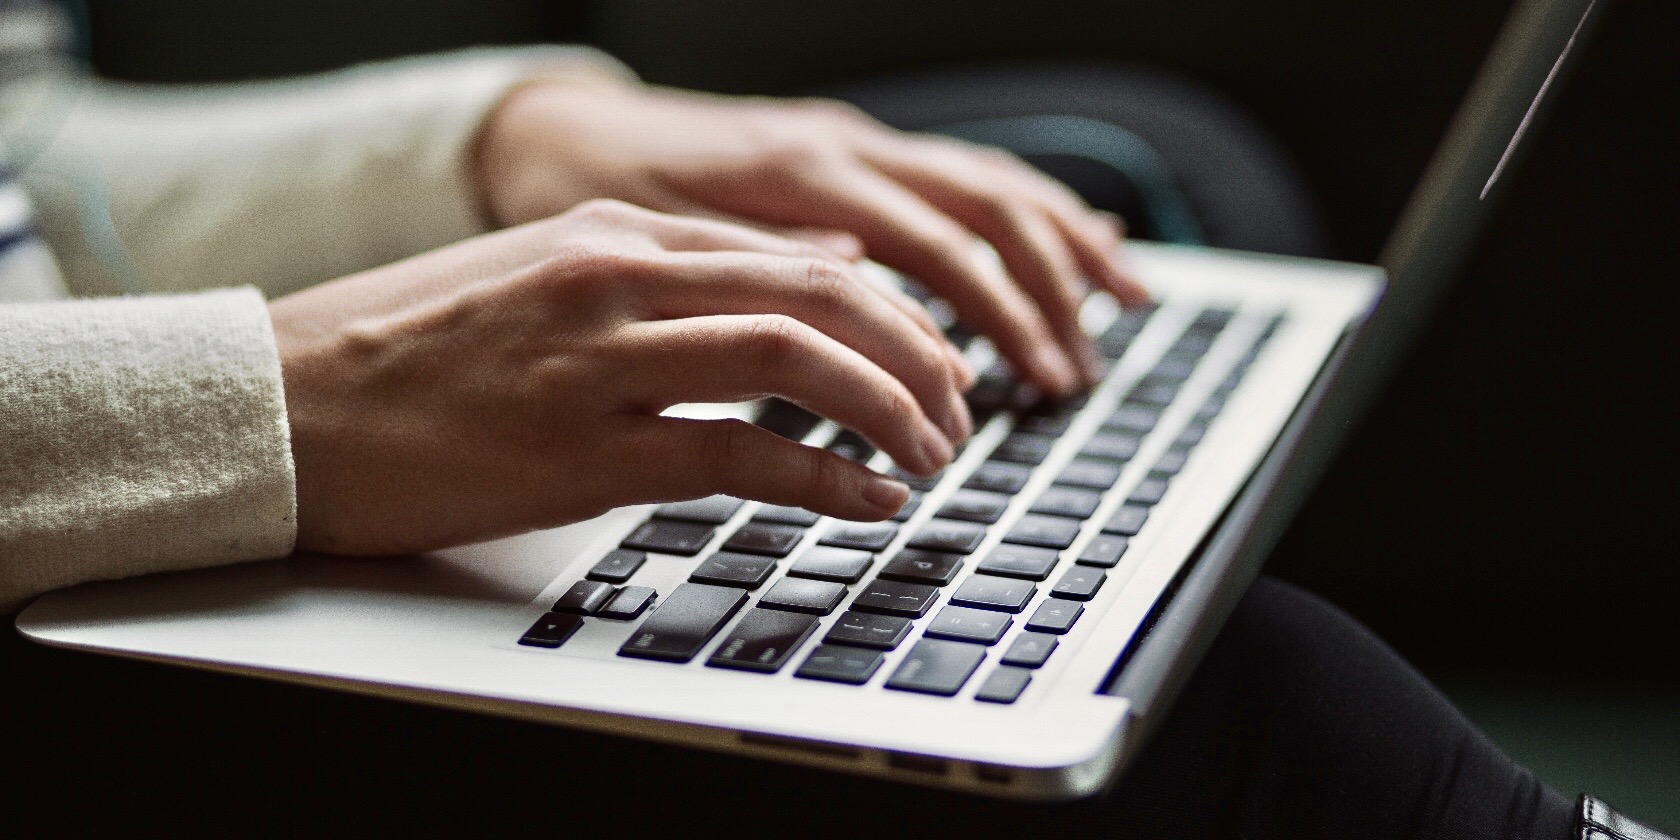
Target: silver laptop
1016, 631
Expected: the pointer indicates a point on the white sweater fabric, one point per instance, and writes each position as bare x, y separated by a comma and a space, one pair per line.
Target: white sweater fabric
148, 432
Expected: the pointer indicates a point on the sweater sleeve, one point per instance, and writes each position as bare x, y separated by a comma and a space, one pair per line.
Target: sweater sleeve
139, 435
278, 184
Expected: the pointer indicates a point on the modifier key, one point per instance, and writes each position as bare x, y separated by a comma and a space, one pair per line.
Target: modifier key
836, 663
681, 626
669, 537
1004, 685
763, 641
551, 631
936, 666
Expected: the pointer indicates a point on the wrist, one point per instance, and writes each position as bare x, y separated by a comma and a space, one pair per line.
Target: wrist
524, 160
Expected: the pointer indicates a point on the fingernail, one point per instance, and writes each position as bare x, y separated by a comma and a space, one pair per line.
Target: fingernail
936, 450
1056, 364
885, 494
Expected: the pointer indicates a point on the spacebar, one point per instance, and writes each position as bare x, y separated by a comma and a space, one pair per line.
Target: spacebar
683, 623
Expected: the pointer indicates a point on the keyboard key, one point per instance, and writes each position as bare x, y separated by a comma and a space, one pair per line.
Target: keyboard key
998, 477
842, 565
1055, 616
1079, 583
1019, 561
1104, 551
914, 565
1157, 393
817, 597
667, 537
915, 482
1070, 502
1024, 448
584, 598
1054, 422
1111, 446
763, 641
764, 538
1030, 650
628, 603
1176, 365
787, 420
712, 510
1148, 491
1004, 685
864, 630
851, 446
986, 592
988, 396
966, 624
975, 506
868, 536
1046, 531
551, 631
1130, 417
1171, 462
889, 597
1089, 473
1192, 434
936, 666
1127, 521
841, 664
617, 566
784, 515
910, 507
682, 624
726, 569
945, 535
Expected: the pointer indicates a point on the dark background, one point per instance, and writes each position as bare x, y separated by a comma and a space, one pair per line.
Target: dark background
1502, 516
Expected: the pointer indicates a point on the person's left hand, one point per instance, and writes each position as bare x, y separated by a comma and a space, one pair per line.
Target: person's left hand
917, 203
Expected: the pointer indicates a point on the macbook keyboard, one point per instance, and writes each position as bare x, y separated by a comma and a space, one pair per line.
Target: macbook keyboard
786, 588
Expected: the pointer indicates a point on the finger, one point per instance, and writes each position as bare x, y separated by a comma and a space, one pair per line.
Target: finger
1032, 248
691, 233
919, 314
838, 243
732, 358
835, 299
904, 231
674, 458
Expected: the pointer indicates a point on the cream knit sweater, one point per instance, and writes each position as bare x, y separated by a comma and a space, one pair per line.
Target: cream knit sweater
148, 433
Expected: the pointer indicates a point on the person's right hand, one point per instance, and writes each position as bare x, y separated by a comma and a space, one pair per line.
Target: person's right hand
515, 381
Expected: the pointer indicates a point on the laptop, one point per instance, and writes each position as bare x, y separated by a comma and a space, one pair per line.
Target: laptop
1017, 630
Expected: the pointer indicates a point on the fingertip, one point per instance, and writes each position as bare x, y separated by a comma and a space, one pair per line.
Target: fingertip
885, 495
1056, 370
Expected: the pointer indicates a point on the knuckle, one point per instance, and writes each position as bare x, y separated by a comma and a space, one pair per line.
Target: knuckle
833, 110
603, 209
731, 446
774, 340
827, 284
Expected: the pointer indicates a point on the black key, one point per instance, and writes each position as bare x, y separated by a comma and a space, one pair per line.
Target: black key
851, 446
914, 565
988, 396
726, 569
1052, 423
551, 631
1148, 491
817, 597
617, 566
1213, 318
1193, 343
1030, 650
1171, 462
765, 538
945, 535
975, 506
1191, 435
986, 592
1021, 561
936, 666
763, 641
1175, 365
712, 510
1089, 473
681, 625
1158, 393
667, 537
909, 509
998, 477
784, 515
628, 603
888, 597
1210, 409
1104, 551
1111, 446
1071, 502
1024, 448
965, 624
1055, 616
864, 630
1127, 521
584, 598
844, 565
841, 664
915, 482
1004, 685
788, 420
1130, 417
869, 536
1046, 531
1079, 583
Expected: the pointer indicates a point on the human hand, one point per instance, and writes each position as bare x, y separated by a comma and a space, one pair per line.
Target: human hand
917, 203
515, 381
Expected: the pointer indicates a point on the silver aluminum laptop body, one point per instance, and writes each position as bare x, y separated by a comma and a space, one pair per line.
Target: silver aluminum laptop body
1303, 346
